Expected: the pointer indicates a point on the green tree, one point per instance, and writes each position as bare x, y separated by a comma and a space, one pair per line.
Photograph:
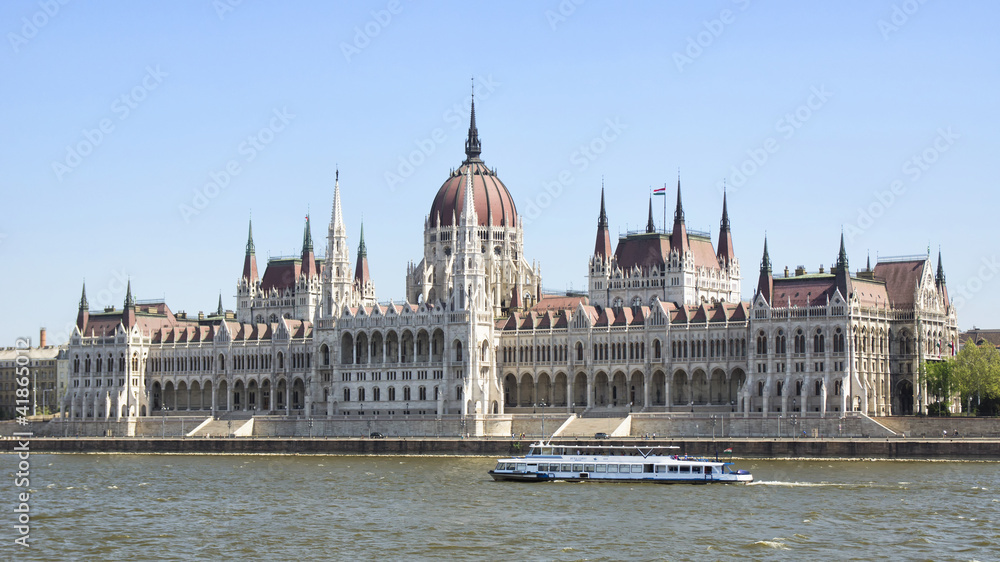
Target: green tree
940, 384
976, 372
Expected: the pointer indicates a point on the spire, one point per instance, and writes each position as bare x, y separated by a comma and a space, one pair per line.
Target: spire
472, 146
84, 305
469, 217
83, 316
129, 301
868, 264
679, 238
336, 216
361, 275
765, 262
220, 311
939, 278
362, 250
307, 239
602, 247
726, 254
842, 256
250, 261
308, 257
650, 225
128, 315
765, 283
843, 275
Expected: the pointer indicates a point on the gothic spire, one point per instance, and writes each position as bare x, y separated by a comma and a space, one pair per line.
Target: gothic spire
842, 256
84, 305
83, 315
679, 238
765, 262
336, 215
362, 250
679, 210
469, 217
361, 275
602, 247
128, 315
250, 248
726, 254
220, 311
307, 239
765, 282
472, 146
939, 278
129, 301
650, 225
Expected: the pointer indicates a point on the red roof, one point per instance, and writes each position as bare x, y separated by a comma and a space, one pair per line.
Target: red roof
901, 279
653, 250
489, 194
281, 274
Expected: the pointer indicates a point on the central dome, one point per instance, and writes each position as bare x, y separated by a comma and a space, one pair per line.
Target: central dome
494, 205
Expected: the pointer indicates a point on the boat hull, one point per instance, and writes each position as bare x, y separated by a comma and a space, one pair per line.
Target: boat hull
550, 477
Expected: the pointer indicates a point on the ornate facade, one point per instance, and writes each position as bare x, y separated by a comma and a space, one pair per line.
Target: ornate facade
662, 328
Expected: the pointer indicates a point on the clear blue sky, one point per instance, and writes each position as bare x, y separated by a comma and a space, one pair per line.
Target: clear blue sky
838, 97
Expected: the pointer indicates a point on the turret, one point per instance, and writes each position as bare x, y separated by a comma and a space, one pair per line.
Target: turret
472, 146
939, 279
337, 270
361, 276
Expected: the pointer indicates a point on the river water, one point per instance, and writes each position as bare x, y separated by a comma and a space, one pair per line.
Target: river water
207, 507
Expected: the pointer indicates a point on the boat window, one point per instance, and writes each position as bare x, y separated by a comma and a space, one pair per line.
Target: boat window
647, 468
661, 468
577, 468
685, 468
623, 468
636, 468
696, 469
612, 468
588, 468
501, 466
672, 468
543, 468
602, 468
521, 466
565, 468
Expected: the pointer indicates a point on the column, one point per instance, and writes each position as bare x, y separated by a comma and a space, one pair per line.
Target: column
214, 394
590, 390
666, 392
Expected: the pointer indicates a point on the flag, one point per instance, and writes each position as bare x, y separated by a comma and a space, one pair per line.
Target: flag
728, 451
660, 191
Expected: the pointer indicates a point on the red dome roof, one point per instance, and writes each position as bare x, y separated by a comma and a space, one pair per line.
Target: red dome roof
489, 194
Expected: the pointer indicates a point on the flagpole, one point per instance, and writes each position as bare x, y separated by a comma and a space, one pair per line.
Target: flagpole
664, 207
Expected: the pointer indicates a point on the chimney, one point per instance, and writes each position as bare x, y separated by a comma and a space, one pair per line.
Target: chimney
821, 268
800, 270
786, 271
41, 337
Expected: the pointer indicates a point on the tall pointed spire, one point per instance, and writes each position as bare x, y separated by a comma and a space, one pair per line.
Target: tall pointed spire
308, 256
128, 315
472, 146
843, 275
679, 238
220, 311
361, 275
842, 255
765, 283
336, 215
362, 249
650, 225
83, 315
469, 216
250, 260
602, 247
939, 279
725, 253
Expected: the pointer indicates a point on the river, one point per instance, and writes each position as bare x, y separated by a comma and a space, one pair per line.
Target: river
214, 507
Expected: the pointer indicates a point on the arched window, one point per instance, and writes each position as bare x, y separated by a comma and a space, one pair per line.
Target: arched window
347, 395
579, 351
656, 349
361, 394
458, 350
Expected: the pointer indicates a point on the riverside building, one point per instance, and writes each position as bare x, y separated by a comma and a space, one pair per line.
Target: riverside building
662, 328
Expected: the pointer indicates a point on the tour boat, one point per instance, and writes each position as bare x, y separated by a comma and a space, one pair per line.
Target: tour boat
547, 462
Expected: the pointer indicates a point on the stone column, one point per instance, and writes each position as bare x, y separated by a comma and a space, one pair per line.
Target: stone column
214, 394
822, 396
590, 390
666, 392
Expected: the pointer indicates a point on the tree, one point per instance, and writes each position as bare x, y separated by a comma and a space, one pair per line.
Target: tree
940, 384
976, 372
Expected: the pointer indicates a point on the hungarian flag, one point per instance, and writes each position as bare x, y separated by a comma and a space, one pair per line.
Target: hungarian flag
728, 451
660, 191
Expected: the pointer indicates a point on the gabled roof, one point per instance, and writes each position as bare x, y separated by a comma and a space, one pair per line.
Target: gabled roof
901, 279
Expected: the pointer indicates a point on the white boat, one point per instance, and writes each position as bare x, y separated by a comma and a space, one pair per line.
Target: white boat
598, 463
